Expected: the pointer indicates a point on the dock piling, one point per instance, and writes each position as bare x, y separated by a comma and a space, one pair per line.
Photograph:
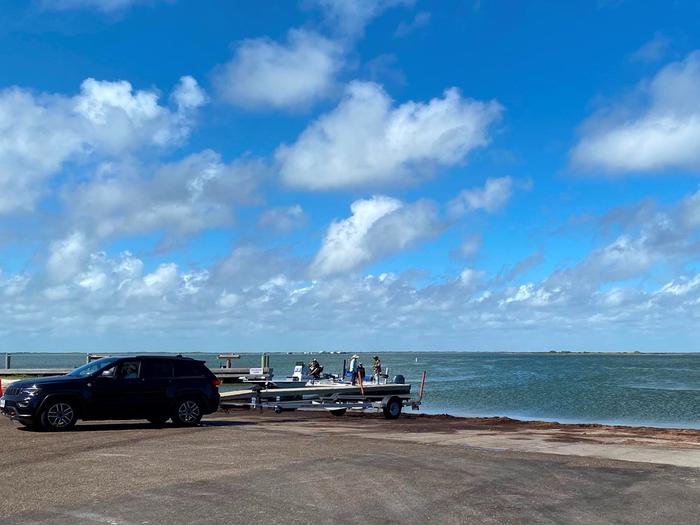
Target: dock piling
229, 359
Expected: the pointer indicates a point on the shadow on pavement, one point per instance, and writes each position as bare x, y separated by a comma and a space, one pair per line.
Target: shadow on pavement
101, 427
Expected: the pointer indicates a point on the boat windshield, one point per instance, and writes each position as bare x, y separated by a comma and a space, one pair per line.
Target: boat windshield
93, 367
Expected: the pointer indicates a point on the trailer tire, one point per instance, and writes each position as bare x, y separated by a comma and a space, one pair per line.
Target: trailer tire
338, 412
392, 408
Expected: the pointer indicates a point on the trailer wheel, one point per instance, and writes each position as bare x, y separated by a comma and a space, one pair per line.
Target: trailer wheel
392, 409
338, 411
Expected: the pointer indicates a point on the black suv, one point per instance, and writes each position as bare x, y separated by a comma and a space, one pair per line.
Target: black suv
141, 387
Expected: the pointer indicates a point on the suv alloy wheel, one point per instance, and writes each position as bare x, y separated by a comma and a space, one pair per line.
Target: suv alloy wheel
58, 414
188, 412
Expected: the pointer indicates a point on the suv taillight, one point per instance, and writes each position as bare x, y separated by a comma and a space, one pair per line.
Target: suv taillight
216, 381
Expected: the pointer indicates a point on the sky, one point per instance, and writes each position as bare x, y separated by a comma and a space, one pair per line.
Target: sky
368, 175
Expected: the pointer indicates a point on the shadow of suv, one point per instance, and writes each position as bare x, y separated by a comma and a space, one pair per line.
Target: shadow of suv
136, 387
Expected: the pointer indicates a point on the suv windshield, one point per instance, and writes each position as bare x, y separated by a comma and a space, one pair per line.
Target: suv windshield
91, 368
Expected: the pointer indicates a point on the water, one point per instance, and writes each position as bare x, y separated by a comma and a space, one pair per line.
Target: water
660, 390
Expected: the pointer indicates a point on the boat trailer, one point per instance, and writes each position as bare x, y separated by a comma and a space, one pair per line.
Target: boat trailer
335, 402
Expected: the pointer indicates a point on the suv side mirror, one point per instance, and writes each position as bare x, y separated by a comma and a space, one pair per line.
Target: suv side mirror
109, 373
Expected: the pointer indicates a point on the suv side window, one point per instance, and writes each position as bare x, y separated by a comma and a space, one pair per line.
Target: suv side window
188, 369
156, 368
129, 370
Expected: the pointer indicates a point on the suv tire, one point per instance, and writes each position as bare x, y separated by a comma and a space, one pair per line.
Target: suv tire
187, 412
58, 415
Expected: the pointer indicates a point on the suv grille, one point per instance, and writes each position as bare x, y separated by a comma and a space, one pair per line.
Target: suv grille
13, 390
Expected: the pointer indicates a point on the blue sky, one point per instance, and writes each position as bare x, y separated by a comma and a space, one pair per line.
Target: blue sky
379, 175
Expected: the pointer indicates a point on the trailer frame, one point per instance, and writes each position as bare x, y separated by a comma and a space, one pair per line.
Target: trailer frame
337, 403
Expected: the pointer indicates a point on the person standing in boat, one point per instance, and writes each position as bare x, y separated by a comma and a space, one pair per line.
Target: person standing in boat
377, 368
361, 378
315, 369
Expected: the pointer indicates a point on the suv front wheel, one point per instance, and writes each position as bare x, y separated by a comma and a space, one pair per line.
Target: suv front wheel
188, 412
59, 414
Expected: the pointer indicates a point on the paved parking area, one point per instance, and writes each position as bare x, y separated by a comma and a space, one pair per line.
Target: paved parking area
245, 468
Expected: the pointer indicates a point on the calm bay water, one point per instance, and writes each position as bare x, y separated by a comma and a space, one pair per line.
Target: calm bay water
661, 390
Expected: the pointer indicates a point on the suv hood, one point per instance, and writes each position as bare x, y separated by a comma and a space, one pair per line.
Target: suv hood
43, 380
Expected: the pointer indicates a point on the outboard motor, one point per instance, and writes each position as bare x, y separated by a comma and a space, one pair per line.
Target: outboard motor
300, 372
399, 380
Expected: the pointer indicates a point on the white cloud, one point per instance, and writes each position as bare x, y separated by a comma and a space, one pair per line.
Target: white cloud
253, 294
181, 198
40, 133
469, 248
365, 141
188, 95
66, 257
344, 246
264, 74
469, 278
664, 134
690, 210
15, 285
156, 284
377, 227
350, 18
283, 219
492, 197
625, 257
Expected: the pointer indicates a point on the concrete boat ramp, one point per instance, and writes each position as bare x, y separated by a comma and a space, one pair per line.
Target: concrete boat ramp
678, 447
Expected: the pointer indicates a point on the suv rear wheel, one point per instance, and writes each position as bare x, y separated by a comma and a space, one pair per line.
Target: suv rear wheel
59, 414
188, 412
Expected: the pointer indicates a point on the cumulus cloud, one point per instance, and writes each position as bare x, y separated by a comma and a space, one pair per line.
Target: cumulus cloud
366, 141
40, 133
182, 197
492, 197
265, 74
66, 257
377, 227
663, 134
254, 291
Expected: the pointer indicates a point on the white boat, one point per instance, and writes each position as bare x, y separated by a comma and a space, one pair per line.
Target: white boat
301, 385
